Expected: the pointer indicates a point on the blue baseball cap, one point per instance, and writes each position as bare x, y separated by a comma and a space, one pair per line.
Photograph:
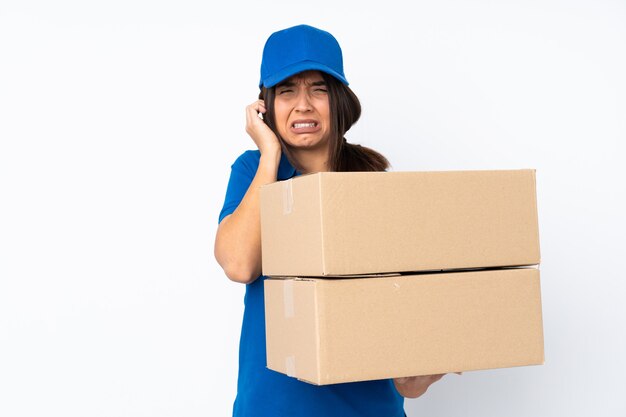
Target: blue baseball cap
300, 48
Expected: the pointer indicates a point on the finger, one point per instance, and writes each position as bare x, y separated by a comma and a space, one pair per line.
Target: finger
435, 378
252, 112
255, 109
258, 104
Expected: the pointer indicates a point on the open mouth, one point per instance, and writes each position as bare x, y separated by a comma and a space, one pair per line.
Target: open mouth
304, 125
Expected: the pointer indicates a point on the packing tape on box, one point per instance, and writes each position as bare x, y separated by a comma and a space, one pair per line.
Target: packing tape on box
290, 366
288, 298
287, 197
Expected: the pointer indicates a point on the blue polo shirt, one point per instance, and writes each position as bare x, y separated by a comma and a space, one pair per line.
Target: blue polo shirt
265, 393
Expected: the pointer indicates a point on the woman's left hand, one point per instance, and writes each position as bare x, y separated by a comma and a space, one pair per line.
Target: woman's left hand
414, 386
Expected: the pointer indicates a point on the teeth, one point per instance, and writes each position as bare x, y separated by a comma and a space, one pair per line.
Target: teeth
301, 125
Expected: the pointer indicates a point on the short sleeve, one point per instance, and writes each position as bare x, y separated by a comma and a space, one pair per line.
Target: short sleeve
242, 173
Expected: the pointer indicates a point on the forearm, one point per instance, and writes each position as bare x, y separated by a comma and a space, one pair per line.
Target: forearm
238, 240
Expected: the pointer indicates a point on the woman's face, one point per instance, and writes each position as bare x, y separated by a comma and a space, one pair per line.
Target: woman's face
302, 111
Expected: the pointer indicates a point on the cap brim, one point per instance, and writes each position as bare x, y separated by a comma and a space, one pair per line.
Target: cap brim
299, 67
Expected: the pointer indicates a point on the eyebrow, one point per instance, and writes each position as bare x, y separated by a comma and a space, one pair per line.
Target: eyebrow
292, 84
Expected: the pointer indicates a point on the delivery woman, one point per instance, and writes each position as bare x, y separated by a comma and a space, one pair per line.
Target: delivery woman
298, 124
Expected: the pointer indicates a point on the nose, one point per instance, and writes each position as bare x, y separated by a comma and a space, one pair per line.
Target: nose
303, 103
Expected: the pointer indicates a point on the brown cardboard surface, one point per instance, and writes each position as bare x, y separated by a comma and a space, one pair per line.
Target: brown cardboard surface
345, 223
326, 331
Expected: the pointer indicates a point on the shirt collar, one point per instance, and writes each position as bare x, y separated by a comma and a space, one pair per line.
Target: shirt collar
285, 169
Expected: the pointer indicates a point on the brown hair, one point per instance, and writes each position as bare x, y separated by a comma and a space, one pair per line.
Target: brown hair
345, 110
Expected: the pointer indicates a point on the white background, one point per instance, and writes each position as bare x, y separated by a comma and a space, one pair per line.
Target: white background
119, 121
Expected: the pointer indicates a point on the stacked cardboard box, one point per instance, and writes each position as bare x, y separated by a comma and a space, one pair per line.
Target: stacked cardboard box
387, 274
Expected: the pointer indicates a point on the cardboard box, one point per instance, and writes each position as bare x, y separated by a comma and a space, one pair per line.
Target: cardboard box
346, 223
327, 331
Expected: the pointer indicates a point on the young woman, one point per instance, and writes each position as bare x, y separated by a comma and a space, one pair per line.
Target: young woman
298, 124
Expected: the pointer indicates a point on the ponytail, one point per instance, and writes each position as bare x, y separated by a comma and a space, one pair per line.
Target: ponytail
354, 157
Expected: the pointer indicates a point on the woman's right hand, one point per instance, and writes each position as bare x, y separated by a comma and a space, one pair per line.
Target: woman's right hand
260, 132
238, 240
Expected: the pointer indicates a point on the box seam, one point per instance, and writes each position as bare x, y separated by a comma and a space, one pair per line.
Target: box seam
318, 301
321, 208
